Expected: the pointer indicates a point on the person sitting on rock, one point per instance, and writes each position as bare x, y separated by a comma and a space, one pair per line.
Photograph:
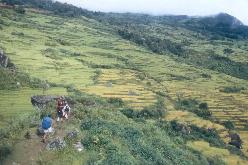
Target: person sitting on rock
60, 106
47, 127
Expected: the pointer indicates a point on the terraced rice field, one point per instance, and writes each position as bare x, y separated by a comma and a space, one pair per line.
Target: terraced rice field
125, 85
189, 118
89, 47
224, 106
214, 153
17, 103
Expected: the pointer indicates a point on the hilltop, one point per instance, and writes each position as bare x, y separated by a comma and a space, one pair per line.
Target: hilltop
144, 89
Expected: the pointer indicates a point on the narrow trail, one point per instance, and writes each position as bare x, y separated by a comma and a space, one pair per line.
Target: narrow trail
28, 151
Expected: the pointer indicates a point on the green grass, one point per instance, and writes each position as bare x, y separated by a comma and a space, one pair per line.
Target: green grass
86, 55
14, 103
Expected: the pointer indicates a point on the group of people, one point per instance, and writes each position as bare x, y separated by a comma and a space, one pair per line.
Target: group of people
63, 109
63, 112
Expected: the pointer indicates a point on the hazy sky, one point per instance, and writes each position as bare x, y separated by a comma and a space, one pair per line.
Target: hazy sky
237, 8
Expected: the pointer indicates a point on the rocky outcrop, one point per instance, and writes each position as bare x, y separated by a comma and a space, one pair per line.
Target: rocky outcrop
4, 60
41, 101
235, 140
56, 144
72, 134
79, 146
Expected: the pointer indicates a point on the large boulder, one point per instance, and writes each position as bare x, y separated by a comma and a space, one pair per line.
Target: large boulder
41, 101
79, 146
72, 134
56, 144
235, 140
4, 60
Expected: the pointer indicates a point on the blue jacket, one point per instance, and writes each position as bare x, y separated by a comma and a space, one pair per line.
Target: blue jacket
46, 122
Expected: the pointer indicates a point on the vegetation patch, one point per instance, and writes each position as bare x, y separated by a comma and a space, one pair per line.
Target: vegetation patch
194, 106
211, 152
11, 79
232, 89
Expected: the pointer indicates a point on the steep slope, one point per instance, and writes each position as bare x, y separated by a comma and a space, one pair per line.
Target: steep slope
89, 56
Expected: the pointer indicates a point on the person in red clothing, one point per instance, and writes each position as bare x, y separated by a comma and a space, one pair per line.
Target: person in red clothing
60, 106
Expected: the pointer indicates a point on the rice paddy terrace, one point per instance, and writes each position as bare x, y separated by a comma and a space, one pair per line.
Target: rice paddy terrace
88, 56
16, 103
123, 84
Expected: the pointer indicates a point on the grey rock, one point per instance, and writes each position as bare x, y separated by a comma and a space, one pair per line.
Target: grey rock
41, 101
236, 140
4, 60
56, 144
72, 134
79, 147
40, 131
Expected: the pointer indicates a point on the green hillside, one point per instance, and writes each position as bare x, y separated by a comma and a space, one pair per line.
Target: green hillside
146, 89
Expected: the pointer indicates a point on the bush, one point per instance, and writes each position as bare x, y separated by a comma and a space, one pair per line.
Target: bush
141, 76
20, 9
62, 9
63, 42
215, 161
15, 80
194, 106
116, 101
20, 34
153, 112
203, 106
5, 150
127, 142
191, 132
228, 51
51, 53
205, 75
233, 89
229, 125
157, 45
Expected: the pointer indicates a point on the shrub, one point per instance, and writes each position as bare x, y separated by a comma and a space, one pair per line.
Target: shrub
236, 151
116, 101
63, 42
194, 106
141, 76
228, 51
205, 75
13, 80
5, 150
130, 113
127, 142
233, 89
215, 161
157, 45
153, 112
161, 93
51, 53
192, 132
53, 44
229, 125
20, 34
20, 9
203, 106
98, 72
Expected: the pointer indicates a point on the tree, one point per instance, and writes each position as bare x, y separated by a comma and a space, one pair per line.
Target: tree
228, 51
45, 86
20, 9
